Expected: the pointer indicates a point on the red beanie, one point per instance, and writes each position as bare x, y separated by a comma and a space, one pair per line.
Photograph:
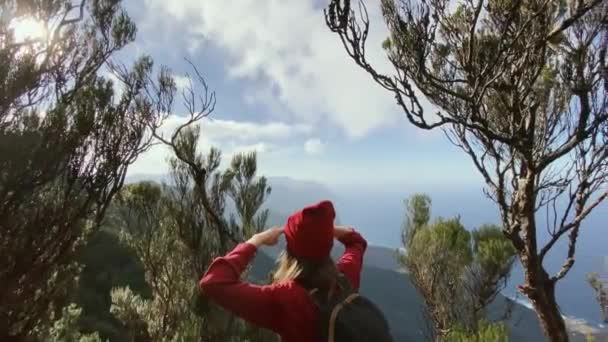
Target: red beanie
310, 231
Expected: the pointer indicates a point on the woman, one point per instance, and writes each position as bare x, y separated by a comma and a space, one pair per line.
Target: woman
286, 306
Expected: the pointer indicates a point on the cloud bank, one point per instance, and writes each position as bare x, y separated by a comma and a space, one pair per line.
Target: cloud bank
290, 60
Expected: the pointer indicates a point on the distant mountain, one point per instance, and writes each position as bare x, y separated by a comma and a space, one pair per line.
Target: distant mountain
378, 214
287, 196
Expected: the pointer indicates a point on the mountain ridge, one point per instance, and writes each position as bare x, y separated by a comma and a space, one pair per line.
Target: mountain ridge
378, 217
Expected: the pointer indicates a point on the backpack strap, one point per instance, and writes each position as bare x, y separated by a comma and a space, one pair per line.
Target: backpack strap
334, 315
331, 304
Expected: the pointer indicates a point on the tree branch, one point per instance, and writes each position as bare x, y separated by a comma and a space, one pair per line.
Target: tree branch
566, 23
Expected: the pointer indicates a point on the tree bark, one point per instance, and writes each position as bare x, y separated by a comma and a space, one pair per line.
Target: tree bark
548, 314
538, 286
542, 296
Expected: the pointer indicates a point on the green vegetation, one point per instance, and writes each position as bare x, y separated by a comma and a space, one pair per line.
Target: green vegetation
521, 89
67, 138
138, 255
519, 86
65, 328
486, 332
168, 227
106, 263
458, 273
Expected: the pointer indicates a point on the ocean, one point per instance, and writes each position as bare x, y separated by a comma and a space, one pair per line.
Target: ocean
379, 215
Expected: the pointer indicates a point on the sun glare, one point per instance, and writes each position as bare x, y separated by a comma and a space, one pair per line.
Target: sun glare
28, 29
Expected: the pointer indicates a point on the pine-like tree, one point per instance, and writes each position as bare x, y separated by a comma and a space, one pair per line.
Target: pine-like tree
457, 272
520, 86
177, 229
66, 139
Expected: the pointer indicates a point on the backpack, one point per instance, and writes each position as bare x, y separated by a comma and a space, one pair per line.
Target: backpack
349, 316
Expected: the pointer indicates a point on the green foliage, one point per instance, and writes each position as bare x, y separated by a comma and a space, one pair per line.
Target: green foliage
65, 328
66, 141
176, 230
494, 258
386, 44
445, 242
418, 214
457, 273
154, 319
248, 193
520, 87
493, 251
487, 332
150, 234
107, 263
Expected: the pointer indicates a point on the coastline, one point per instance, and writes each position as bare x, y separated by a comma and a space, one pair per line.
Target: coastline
579, 328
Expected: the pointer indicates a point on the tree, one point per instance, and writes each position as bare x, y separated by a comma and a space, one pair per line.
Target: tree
149, 233
106, 263
65, 328
457, 273
167, 228
601, 293
177, 229
210, 191
66, 140
520, 87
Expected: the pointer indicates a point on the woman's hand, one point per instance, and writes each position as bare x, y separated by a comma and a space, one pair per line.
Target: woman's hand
269, 237
340, 231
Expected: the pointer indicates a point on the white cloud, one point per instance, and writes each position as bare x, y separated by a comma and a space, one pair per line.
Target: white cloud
261, 147
314, 146
181, 82
229, 136
217, 130
153, 161
222, 129
285, 45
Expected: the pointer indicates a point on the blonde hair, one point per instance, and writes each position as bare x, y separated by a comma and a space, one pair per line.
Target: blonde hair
311, 275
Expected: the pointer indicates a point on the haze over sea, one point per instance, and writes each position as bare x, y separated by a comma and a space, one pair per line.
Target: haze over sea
379, 213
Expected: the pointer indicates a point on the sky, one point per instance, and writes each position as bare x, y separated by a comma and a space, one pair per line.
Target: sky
286, 88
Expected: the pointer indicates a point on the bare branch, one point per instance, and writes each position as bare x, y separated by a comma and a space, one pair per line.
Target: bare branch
568, 22
199, 107
520, 90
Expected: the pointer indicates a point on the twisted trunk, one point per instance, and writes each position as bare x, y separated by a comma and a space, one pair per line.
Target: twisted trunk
548, 313
538, 286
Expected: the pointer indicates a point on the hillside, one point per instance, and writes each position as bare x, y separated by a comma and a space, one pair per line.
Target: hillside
396, 296
378, 214
380, 278
399, 300
108, 264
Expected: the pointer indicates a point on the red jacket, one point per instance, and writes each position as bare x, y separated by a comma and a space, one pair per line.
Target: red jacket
284, 308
